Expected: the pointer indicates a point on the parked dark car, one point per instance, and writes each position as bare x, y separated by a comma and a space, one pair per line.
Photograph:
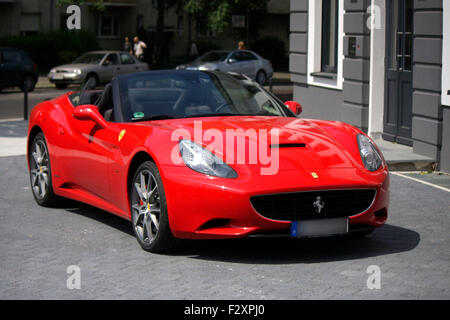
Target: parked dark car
17, 69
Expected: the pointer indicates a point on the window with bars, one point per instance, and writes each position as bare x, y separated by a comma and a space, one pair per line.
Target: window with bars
329, 48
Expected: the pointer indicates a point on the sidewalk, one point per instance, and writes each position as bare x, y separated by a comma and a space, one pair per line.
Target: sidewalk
44, 83
403, 158
13, 138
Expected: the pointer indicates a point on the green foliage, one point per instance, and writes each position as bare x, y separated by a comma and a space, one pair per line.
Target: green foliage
99, 5
49, 49
219, 12
66, 56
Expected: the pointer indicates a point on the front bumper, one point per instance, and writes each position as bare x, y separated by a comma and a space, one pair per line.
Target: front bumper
203, 207
65, 78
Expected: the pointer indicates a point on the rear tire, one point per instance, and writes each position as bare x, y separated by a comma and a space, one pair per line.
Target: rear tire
149, 210
29, 83
40, 172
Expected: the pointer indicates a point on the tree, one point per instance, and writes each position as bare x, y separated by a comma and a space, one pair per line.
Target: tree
99, 4
219, 12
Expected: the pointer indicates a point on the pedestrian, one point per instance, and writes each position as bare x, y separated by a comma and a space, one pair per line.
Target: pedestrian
241, 45
127, 46
193, 52
139, 47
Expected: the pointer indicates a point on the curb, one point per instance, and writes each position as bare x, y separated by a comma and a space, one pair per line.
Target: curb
404, 166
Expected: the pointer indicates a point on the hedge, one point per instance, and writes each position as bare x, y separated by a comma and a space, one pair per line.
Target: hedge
53, 48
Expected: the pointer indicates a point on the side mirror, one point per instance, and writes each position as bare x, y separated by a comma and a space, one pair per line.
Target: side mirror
106, 63
294, 106
89, 113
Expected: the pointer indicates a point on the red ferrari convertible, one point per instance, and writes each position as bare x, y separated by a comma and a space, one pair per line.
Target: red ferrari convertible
205, 155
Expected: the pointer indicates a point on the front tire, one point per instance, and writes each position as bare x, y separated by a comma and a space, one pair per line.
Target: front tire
149, 210
91, 81
40, 172
261, 77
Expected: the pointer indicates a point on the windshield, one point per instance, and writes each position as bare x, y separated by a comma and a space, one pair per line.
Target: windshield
187, 94
214, 56
89, 58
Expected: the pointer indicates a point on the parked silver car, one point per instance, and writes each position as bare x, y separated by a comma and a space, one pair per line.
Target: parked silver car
97, 67
240, 61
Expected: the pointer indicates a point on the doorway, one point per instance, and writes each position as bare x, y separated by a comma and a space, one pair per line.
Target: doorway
397, 120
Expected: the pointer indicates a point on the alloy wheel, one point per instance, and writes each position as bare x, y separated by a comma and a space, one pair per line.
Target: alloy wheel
146, 206
40, 169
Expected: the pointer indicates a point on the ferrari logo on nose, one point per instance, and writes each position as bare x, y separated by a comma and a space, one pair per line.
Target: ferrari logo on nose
314, 175
319, 204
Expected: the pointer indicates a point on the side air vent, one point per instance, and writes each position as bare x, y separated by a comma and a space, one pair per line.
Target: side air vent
214, 223
288, 145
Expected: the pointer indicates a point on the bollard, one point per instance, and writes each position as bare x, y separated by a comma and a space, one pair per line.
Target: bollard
25, 101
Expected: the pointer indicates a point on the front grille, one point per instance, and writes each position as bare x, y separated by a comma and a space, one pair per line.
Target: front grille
313, 204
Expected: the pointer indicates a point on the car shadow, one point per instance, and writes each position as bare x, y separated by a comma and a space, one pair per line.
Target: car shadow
386, 240
389, 239
96, 214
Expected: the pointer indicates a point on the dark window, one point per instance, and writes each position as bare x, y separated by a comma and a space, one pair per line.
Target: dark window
236, 56
111, 59
109, 26
400, 36
330, 11
248, 56
126, 58
10, 56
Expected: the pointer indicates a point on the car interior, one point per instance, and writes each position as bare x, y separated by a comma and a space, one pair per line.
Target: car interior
100, 98
178, 99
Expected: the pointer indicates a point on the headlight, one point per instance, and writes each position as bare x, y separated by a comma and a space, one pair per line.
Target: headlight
203, 68
201, 160
369, 154
77, 71
181, 67
52, 71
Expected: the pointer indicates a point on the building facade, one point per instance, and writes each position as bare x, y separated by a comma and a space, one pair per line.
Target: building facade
126, 17
381, 65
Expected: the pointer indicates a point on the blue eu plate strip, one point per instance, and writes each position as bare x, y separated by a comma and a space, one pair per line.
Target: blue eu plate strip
294, 229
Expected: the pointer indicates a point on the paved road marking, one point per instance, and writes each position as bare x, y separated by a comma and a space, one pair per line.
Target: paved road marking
420, 181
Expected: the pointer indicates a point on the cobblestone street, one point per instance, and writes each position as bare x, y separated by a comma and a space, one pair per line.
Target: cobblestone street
38, 244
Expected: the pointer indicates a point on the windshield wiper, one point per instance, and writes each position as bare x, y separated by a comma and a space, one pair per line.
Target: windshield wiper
153, 117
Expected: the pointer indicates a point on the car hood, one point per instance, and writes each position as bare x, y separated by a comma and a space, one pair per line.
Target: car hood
197, 64
294, 143
72, 66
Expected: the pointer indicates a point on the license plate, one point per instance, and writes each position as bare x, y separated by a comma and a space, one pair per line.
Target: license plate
58, 77
319, 228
